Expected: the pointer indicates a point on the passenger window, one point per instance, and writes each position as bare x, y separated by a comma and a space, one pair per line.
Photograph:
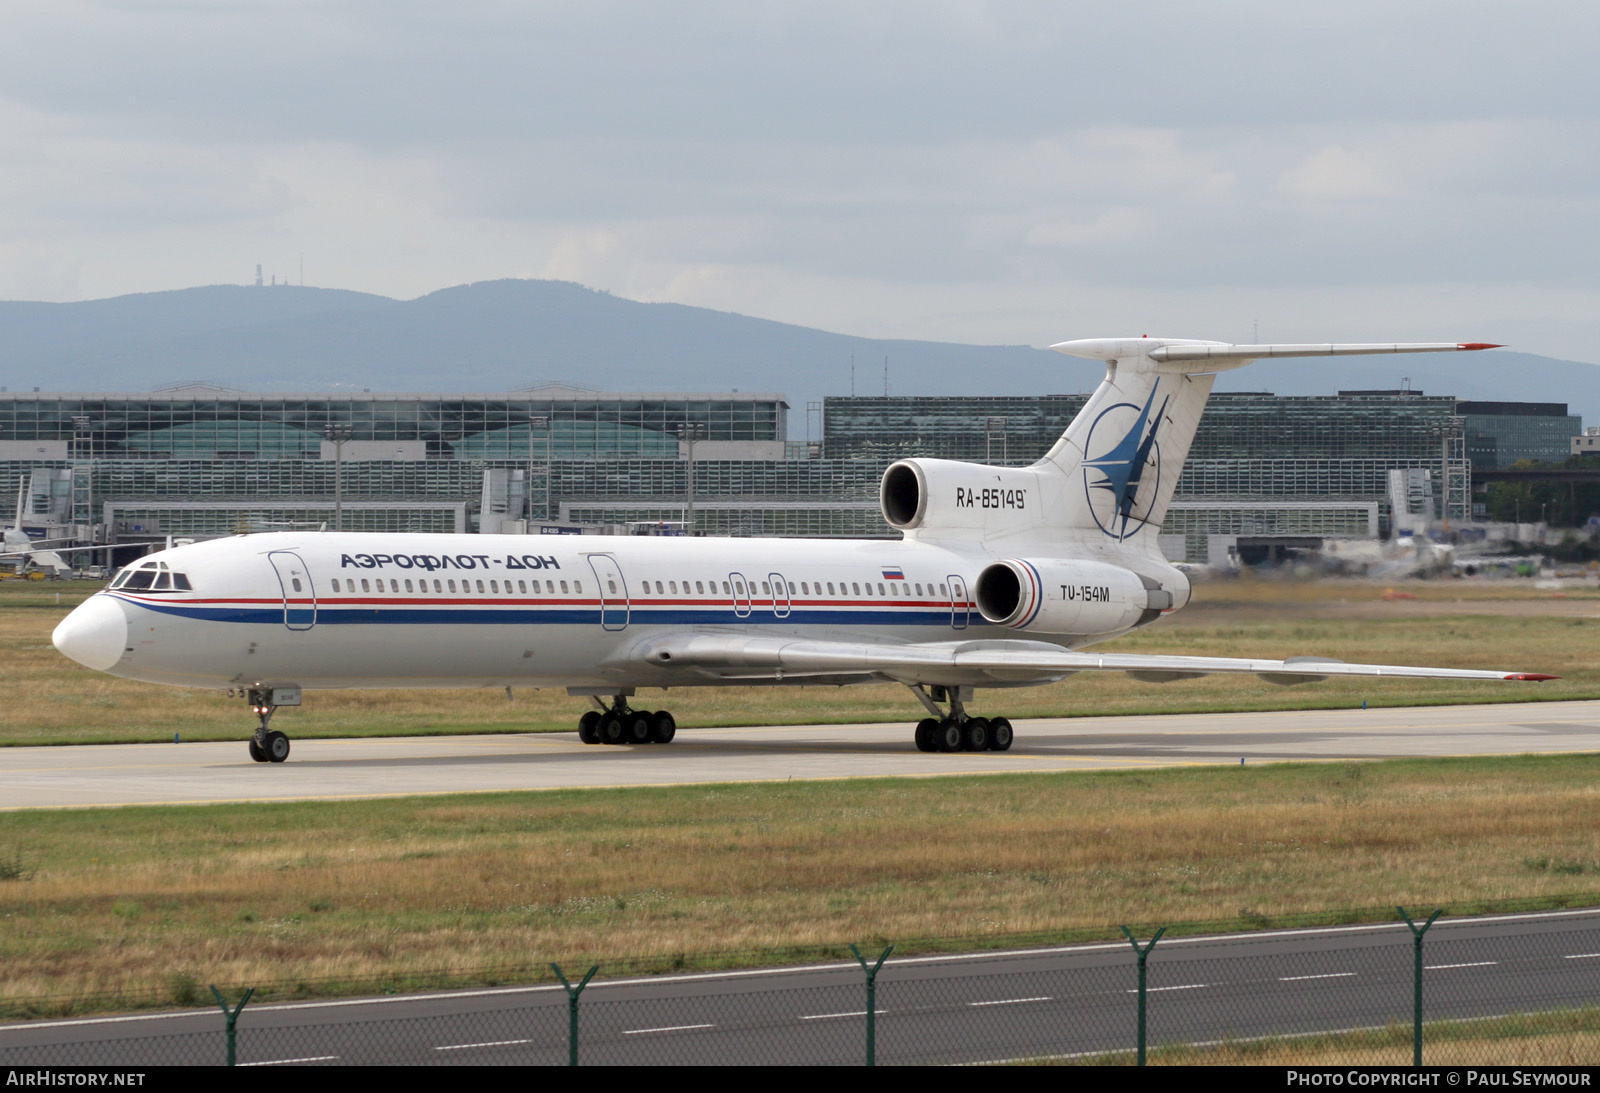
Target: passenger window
408, 584
700, 588
394, 585
452, 585
296, 582
437, 587
830, 588
765, 590
919, 589
335, 583
577, 587
480, 586
673, 585
881, 592
563, 587
942, 590
612, 585
727, 590
494, 586
364, 587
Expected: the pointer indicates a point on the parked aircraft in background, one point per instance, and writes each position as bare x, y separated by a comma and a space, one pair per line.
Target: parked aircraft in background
1004, 577
38, 554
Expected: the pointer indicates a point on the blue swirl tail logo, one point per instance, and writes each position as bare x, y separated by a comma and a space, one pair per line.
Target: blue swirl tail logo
1131, 462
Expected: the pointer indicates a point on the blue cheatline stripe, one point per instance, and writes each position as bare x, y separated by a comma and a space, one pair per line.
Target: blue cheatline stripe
525, 616
1038, 593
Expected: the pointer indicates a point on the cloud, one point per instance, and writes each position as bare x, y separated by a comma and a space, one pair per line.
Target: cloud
968, 170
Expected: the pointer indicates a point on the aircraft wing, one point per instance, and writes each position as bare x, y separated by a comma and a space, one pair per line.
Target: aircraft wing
991, 663
53, 550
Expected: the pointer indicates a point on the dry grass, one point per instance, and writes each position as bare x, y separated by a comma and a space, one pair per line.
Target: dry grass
137, 904
44, 698
1561, 1038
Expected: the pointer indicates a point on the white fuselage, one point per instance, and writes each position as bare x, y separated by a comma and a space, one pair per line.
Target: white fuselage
330, 610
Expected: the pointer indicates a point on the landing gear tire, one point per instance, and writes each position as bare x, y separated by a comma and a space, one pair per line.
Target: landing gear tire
948, 736
612, 730
277, 747
663, 727
975, 734
589, 727
641, 728
927, 729
1000, 735
255, 751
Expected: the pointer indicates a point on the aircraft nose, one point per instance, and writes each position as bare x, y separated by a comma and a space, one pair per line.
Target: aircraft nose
95, 634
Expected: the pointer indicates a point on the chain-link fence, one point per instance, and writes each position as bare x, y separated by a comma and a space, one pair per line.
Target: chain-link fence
1508, 990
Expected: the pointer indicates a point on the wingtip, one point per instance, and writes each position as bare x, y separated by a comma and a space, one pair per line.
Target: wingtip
1531, 677
1479, 345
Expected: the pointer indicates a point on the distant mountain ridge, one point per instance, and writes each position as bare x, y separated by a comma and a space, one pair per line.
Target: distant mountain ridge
504, 335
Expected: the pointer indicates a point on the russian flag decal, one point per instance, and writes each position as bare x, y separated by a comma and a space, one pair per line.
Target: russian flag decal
894, 574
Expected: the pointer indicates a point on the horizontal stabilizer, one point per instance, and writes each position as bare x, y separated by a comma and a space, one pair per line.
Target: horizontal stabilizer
1333, 349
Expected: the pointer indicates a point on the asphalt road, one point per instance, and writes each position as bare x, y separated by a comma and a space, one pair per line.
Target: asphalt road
985, 1007
333, 769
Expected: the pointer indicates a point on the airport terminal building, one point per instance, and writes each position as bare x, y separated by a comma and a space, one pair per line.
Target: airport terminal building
198, 460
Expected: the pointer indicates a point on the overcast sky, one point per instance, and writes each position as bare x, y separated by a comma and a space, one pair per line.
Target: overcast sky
983, 172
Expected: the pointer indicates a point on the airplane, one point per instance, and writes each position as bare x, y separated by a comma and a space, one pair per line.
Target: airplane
37, 552
1004, 577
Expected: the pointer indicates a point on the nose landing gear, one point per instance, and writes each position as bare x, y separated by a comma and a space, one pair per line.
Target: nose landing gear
268, 745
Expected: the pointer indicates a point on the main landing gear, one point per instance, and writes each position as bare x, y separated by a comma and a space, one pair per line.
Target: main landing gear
268, 745
954, 729
617, 724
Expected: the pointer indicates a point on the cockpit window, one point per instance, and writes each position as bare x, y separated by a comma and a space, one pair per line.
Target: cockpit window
152, 577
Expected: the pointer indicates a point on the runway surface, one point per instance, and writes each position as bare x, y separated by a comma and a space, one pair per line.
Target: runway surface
90, 776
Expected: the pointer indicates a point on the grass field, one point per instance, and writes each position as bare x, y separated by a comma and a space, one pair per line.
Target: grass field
45, 699
142, 905
1559, 1038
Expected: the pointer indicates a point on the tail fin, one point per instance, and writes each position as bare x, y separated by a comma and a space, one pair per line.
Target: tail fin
1123, 453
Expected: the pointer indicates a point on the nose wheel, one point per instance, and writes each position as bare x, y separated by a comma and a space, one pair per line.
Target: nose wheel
267, 745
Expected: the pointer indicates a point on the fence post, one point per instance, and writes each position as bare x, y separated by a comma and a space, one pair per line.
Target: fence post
572, 1009
231, 1017
1416, 986
872, 999
1144, 953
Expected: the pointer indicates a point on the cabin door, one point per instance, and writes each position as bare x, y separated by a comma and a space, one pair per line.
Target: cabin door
299, 594
613, 591
958, 602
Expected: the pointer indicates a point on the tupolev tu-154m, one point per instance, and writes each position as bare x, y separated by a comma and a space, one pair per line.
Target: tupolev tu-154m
1004, 577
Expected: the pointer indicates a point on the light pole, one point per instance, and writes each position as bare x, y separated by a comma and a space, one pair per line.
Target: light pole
539, 423
688, 433
338, 433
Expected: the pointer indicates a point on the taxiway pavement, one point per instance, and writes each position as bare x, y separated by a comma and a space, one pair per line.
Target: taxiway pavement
193, 773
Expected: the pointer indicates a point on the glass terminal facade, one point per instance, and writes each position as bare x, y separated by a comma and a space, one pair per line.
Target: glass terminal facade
200, 461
